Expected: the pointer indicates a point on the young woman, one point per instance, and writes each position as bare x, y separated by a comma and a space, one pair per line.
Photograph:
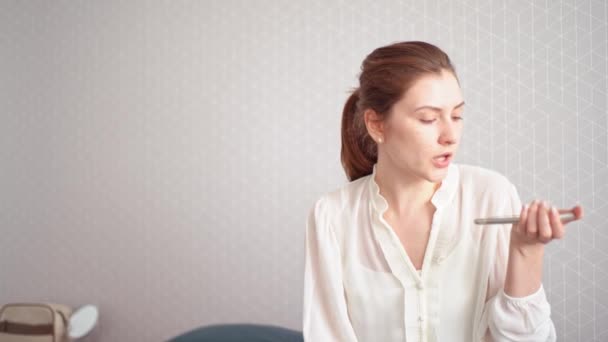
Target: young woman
395, 255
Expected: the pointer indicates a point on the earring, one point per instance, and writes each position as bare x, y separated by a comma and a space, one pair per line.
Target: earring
379, 139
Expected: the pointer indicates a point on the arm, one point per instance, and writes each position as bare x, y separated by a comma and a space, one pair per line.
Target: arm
325, 316
516, 308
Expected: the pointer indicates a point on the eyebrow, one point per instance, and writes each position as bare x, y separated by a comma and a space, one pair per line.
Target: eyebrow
437, 109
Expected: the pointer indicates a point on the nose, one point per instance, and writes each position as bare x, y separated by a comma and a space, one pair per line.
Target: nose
449, 133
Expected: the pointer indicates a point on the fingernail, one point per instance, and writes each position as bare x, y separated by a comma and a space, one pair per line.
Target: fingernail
554, 210
545, 204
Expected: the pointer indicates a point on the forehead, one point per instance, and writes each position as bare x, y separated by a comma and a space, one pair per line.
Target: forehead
433, 90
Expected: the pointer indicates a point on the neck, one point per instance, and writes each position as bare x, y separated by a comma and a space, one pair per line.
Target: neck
406, 193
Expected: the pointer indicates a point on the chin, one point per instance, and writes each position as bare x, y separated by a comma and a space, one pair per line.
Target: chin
437, 175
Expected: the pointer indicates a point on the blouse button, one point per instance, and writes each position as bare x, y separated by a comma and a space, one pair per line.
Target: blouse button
419, 285
421, 318
440, 259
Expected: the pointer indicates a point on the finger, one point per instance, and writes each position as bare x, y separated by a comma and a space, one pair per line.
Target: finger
556, 223
577, 208
545, 232
568, 219
521, 224
523, 217
577, 212
531, 225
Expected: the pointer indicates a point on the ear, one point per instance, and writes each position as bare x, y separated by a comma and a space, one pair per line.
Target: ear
374, 124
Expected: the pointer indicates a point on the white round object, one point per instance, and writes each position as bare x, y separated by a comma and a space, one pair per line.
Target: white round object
82, 321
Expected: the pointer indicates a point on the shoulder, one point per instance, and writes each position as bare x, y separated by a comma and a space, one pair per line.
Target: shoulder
341, 200
490, 188
481, 178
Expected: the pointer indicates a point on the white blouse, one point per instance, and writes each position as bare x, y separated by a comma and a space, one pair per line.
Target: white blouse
360, 284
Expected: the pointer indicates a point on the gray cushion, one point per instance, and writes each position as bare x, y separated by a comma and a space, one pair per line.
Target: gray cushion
240, 333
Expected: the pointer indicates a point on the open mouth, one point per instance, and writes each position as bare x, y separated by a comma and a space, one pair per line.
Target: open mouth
444, 157
442, 161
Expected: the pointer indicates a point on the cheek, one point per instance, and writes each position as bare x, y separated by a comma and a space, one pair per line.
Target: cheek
426, 147
417, 140
414, 145
424, 140
410, 131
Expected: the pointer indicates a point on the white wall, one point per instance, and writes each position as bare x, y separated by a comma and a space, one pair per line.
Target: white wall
158, 159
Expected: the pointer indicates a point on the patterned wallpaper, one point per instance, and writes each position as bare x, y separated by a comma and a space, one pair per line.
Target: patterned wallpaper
159, 158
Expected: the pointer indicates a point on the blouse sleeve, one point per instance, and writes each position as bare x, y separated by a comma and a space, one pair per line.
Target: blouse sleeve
325, 316
514, 318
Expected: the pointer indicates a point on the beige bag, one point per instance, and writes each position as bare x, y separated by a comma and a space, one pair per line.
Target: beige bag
34, 322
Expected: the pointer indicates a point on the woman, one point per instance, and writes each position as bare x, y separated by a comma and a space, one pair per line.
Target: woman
394, 255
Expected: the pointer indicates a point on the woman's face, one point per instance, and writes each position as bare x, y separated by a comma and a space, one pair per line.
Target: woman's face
415, 132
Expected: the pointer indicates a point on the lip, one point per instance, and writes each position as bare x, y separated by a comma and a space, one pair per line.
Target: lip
440, 155
442, 164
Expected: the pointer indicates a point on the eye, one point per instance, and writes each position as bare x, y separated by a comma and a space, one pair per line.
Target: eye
458, 118
427, 121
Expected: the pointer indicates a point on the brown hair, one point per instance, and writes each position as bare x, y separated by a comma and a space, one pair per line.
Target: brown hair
386, 74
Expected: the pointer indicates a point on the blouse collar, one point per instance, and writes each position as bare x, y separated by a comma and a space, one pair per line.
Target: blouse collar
440, 198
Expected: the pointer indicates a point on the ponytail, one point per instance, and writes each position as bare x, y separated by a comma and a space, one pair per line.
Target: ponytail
359, 152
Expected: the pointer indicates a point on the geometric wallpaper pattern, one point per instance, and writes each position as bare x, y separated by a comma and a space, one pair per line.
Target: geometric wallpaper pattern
158, 159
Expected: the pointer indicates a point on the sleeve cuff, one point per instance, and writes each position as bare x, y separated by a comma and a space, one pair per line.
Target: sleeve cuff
521, 316
535, 297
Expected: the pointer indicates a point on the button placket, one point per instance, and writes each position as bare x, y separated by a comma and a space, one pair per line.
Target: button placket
423, 335
422, 313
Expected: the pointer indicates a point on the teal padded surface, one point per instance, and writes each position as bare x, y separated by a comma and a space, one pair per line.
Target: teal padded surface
240, 333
